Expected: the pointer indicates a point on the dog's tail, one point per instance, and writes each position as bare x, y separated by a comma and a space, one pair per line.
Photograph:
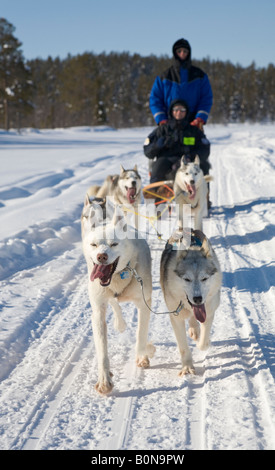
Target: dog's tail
208, 178
93, 190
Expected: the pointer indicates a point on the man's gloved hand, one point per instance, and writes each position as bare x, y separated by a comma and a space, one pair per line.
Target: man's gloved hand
164, 121
198, 122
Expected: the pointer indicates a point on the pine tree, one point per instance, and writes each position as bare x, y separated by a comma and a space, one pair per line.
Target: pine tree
15, 77
114, 89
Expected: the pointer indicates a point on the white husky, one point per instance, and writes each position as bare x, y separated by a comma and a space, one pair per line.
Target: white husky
113, 262
190, 273
125, 188
190, 187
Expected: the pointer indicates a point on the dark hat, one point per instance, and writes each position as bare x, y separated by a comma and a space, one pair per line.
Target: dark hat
181, 43
175, 103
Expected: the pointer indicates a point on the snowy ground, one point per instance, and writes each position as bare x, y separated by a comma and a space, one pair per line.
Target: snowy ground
48, 366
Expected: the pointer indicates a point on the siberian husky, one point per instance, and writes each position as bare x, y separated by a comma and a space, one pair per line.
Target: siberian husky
125, 188
114, 262
190, 273
190, 187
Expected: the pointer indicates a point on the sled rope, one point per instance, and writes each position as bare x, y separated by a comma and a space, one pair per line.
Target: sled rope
139, 279
153, 219
168, 200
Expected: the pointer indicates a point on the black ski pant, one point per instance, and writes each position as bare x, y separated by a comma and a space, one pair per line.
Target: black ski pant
165, 168
162, 167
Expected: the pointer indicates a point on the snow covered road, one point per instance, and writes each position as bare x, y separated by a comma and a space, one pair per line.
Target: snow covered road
48, 367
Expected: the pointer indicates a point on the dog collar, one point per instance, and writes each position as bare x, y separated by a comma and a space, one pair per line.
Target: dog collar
139, 279
126, 272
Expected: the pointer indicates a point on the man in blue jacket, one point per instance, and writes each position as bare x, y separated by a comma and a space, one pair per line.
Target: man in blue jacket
182, 81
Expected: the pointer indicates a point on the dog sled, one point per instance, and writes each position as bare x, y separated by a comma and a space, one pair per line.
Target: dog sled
161, 191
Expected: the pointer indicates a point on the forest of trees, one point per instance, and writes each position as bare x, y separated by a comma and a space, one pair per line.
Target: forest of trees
113, 89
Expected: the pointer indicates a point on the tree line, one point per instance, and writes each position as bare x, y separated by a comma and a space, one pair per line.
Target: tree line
113, 89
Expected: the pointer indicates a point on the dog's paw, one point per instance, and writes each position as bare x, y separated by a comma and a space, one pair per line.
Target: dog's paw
120, 325
187, 370
104, 387
194, 333
203, 345
143, 362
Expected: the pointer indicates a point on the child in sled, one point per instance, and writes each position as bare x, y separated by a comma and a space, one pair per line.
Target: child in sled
173, 139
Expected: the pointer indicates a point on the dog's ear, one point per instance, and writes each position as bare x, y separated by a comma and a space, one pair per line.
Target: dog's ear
110, 206
197, 160
121, 170
206, 248
93, 218
87, 201
199, 240
135, 168
183, 162
180, 241
119, 219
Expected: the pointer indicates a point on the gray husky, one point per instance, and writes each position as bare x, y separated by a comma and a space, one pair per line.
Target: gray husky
190, 273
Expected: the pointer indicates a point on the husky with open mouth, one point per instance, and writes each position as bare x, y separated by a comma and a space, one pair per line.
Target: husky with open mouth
190, 187
190, 273
113, 260
125, 188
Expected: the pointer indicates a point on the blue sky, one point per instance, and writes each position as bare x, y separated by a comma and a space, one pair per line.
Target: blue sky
241, 31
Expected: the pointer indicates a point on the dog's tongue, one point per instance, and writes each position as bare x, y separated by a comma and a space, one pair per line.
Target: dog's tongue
101, 271
131, 193
199, 312
191, 190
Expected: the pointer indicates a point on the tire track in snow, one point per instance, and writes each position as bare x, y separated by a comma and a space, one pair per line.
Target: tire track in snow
250, 362
124, 407
42, 309
258, 375
47, 407
58, 344
195, 412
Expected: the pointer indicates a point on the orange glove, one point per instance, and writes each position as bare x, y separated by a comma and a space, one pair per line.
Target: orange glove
198, 122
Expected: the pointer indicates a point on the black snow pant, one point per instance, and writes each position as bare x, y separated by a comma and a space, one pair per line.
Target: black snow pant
163, 167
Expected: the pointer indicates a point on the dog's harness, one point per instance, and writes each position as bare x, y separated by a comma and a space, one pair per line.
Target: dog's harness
127, 271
